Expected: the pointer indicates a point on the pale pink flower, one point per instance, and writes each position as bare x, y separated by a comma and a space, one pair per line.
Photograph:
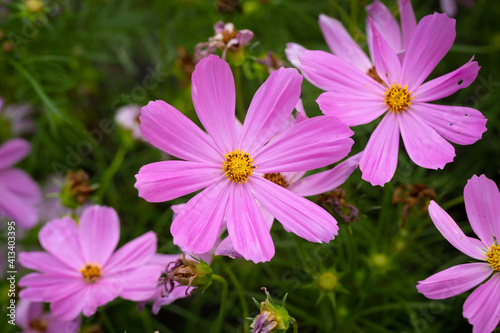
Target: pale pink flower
231, 166
482, 203
32, 319
19, 193
343, 45
128, 118
80, 270
19, 118
355, 98
450, 6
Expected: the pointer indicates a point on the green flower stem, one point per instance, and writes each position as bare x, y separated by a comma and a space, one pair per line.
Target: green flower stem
295, 326
110, 172
220, 318
241, 296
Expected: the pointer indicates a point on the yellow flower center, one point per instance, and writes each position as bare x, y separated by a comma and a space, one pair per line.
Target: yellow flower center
91, 272
398, 98
493, 257
277, 178
238, 166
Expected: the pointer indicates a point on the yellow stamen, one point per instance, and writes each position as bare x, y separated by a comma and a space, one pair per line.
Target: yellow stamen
493, 257
238, 166
398, 98
277, 178
91, 272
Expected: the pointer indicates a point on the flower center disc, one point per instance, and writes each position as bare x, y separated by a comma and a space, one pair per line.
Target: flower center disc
238, 166
277, 178
91, 272
398, 98
493, 257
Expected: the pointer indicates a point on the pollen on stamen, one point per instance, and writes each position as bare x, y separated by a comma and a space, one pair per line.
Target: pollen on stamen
398, 98
91, 272
238, 166
493, 257
277, 178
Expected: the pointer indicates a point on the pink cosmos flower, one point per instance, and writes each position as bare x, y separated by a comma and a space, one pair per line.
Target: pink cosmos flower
315, 184
32, 319
231, 166
450, 6
19, 193
79, 272
482, 203
355, 98
342, 45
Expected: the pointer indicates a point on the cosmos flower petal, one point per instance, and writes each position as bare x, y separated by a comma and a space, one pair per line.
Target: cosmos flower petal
167, 129
424, 145
311, 144
214, 100
330, 72
297, 214
379, 160
352, 108
432, 39
18, 209
482, 308
46, 263
22, 185
140, 284
99, 294
167, 180
453, 234
408, 21
197, 226
328, 180
458, 124
454, 280
449, 7
341, 43
99, 233
270, 107
482, 203
60, 238
447, 84
385, 58
13, 151
385, 22
69, 308
46, 287
246, 226
179, 291
133, 254
293, 51
226, 248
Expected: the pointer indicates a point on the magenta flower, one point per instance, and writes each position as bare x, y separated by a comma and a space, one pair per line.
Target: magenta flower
355, 98
315, 184
342, 45
79, 272
19, 193
231, 166
482, 203
31, 318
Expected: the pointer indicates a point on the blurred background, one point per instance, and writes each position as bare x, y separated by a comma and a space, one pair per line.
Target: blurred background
73, 64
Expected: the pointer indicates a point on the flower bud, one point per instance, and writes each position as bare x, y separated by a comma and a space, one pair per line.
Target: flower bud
191, 273
272, 317
76, 189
